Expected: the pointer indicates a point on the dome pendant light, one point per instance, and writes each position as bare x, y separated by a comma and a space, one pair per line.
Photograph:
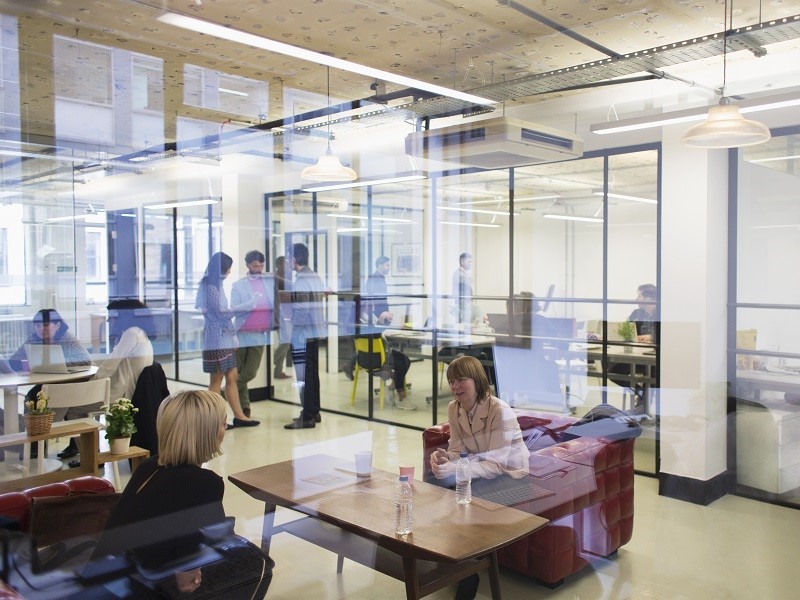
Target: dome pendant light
329, 167
725, 127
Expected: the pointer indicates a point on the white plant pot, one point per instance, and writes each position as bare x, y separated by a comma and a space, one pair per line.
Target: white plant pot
120, 445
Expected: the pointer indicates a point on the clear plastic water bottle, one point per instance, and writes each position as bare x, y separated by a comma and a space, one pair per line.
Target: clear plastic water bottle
463, 480
403, 506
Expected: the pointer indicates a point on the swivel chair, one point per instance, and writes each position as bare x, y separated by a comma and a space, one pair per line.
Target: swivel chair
371, 357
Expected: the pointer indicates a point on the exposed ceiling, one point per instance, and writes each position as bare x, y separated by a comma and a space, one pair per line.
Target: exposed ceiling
514, 52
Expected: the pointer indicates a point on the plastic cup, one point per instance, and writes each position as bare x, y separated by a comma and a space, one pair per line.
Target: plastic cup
363, 463
407, 470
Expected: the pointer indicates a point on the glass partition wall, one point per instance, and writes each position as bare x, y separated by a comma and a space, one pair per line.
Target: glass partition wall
764, 328
470, 251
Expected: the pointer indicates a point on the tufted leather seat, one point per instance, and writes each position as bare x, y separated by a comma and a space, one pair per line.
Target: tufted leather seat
590, 508
17, 505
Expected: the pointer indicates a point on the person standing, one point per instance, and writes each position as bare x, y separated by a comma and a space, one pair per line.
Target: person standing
219, 360
308, 327
377, 293
252, 303
283, 355
462, 288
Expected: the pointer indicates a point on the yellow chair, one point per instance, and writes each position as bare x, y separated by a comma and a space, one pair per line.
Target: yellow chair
370, 356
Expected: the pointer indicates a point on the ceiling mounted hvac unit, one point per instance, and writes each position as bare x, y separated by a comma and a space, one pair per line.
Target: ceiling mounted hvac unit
495, 143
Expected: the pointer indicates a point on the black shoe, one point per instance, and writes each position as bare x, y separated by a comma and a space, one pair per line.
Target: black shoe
68, 452
245, 423
74, 464
348, 372
317, 418
468, 587
300, 424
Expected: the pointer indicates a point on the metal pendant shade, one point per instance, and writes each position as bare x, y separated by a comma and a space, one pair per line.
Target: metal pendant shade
725, 127
329, 167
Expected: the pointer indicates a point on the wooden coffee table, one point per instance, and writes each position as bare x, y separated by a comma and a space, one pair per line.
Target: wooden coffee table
354, 517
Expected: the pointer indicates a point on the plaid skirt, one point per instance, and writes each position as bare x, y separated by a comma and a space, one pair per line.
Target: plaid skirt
219, 360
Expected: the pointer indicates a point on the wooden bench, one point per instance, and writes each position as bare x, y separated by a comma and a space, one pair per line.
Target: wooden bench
88, 446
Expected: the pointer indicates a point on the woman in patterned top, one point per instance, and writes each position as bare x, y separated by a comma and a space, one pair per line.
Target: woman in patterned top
219, 344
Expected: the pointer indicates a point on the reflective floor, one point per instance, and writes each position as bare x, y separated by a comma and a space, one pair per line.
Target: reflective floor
734, 548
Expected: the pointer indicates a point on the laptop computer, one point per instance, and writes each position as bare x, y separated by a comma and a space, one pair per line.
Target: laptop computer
49, 358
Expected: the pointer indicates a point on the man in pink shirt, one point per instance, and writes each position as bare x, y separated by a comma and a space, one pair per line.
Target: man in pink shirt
252, 300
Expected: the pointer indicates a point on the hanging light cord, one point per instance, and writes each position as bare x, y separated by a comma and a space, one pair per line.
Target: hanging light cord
725, 47
328, 70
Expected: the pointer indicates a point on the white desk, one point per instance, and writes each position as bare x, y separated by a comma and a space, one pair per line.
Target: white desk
10, 383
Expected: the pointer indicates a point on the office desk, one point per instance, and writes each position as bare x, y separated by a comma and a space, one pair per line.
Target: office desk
11, 382
420, 343
354, 517
758, 381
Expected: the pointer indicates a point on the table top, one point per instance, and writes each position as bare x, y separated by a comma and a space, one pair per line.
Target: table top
18, 379
445, 338
328, 489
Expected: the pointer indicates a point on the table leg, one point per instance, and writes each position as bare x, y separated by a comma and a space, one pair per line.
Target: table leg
266, 528
411, 578
11, 410
494, 576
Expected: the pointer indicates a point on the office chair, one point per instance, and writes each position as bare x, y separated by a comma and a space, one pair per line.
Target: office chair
370, 356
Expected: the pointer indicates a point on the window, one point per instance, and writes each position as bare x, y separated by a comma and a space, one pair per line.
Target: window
82, 71
148, 80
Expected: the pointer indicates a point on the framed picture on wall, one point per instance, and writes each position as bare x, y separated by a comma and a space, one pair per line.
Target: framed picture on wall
406, 259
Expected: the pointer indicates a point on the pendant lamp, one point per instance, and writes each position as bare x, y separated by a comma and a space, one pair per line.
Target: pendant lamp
329, 167
725, 127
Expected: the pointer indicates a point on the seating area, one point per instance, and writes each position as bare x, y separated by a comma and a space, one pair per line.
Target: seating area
589, 499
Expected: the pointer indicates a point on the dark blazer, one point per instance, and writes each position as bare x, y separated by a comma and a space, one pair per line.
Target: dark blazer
151, 389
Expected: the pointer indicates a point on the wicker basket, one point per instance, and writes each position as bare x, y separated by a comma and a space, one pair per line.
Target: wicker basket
39, 424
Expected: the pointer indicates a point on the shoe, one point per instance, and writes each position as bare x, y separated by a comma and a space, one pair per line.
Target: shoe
68, 452
348, 372
244, 423
405, 405
317, 418
300, 424
468, 587
74, 464
246, 412
282, 376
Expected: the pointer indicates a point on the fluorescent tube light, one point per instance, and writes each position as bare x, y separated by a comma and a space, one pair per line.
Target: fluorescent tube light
572, 218
480, 211
234, 92
774, 159
692, 114
183, 203
468, 224
365, 181
632, 198
350, 229
235, 35
360, 218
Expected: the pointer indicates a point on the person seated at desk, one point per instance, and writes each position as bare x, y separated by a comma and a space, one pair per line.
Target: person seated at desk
50, 328
129, 334
170, 497
487, 429
646, 319
379, 313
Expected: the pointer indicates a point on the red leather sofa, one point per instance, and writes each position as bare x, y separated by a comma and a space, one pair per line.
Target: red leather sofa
17, 505
589, 501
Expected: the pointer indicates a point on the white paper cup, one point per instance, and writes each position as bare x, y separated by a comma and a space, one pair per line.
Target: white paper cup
363, 462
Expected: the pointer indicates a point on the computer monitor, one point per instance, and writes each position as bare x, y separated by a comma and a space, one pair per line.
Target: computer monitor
526, 377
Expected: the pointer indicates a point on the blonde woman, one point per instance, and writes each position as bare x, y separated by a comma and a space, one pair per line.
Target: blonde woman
171, 496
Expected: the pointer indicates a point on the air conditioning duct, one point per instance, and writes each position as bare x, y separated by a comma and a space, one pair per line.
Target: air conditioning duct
495, 143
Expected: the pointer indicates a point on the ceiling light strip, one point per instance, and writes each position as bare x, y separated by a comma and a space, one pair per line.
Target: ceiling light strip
255, 41
365, 181
692, 114
468, 224
184, 203
481, 211
631, 198
573, 218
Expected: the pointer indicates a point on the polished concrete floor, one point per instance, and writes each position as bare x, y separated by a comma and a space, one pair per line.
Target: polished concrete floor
734, 548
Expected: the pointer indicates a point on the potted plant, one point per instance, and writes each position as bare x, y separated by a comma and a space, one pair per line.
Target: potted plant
38, 416
627, 331
119, 425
